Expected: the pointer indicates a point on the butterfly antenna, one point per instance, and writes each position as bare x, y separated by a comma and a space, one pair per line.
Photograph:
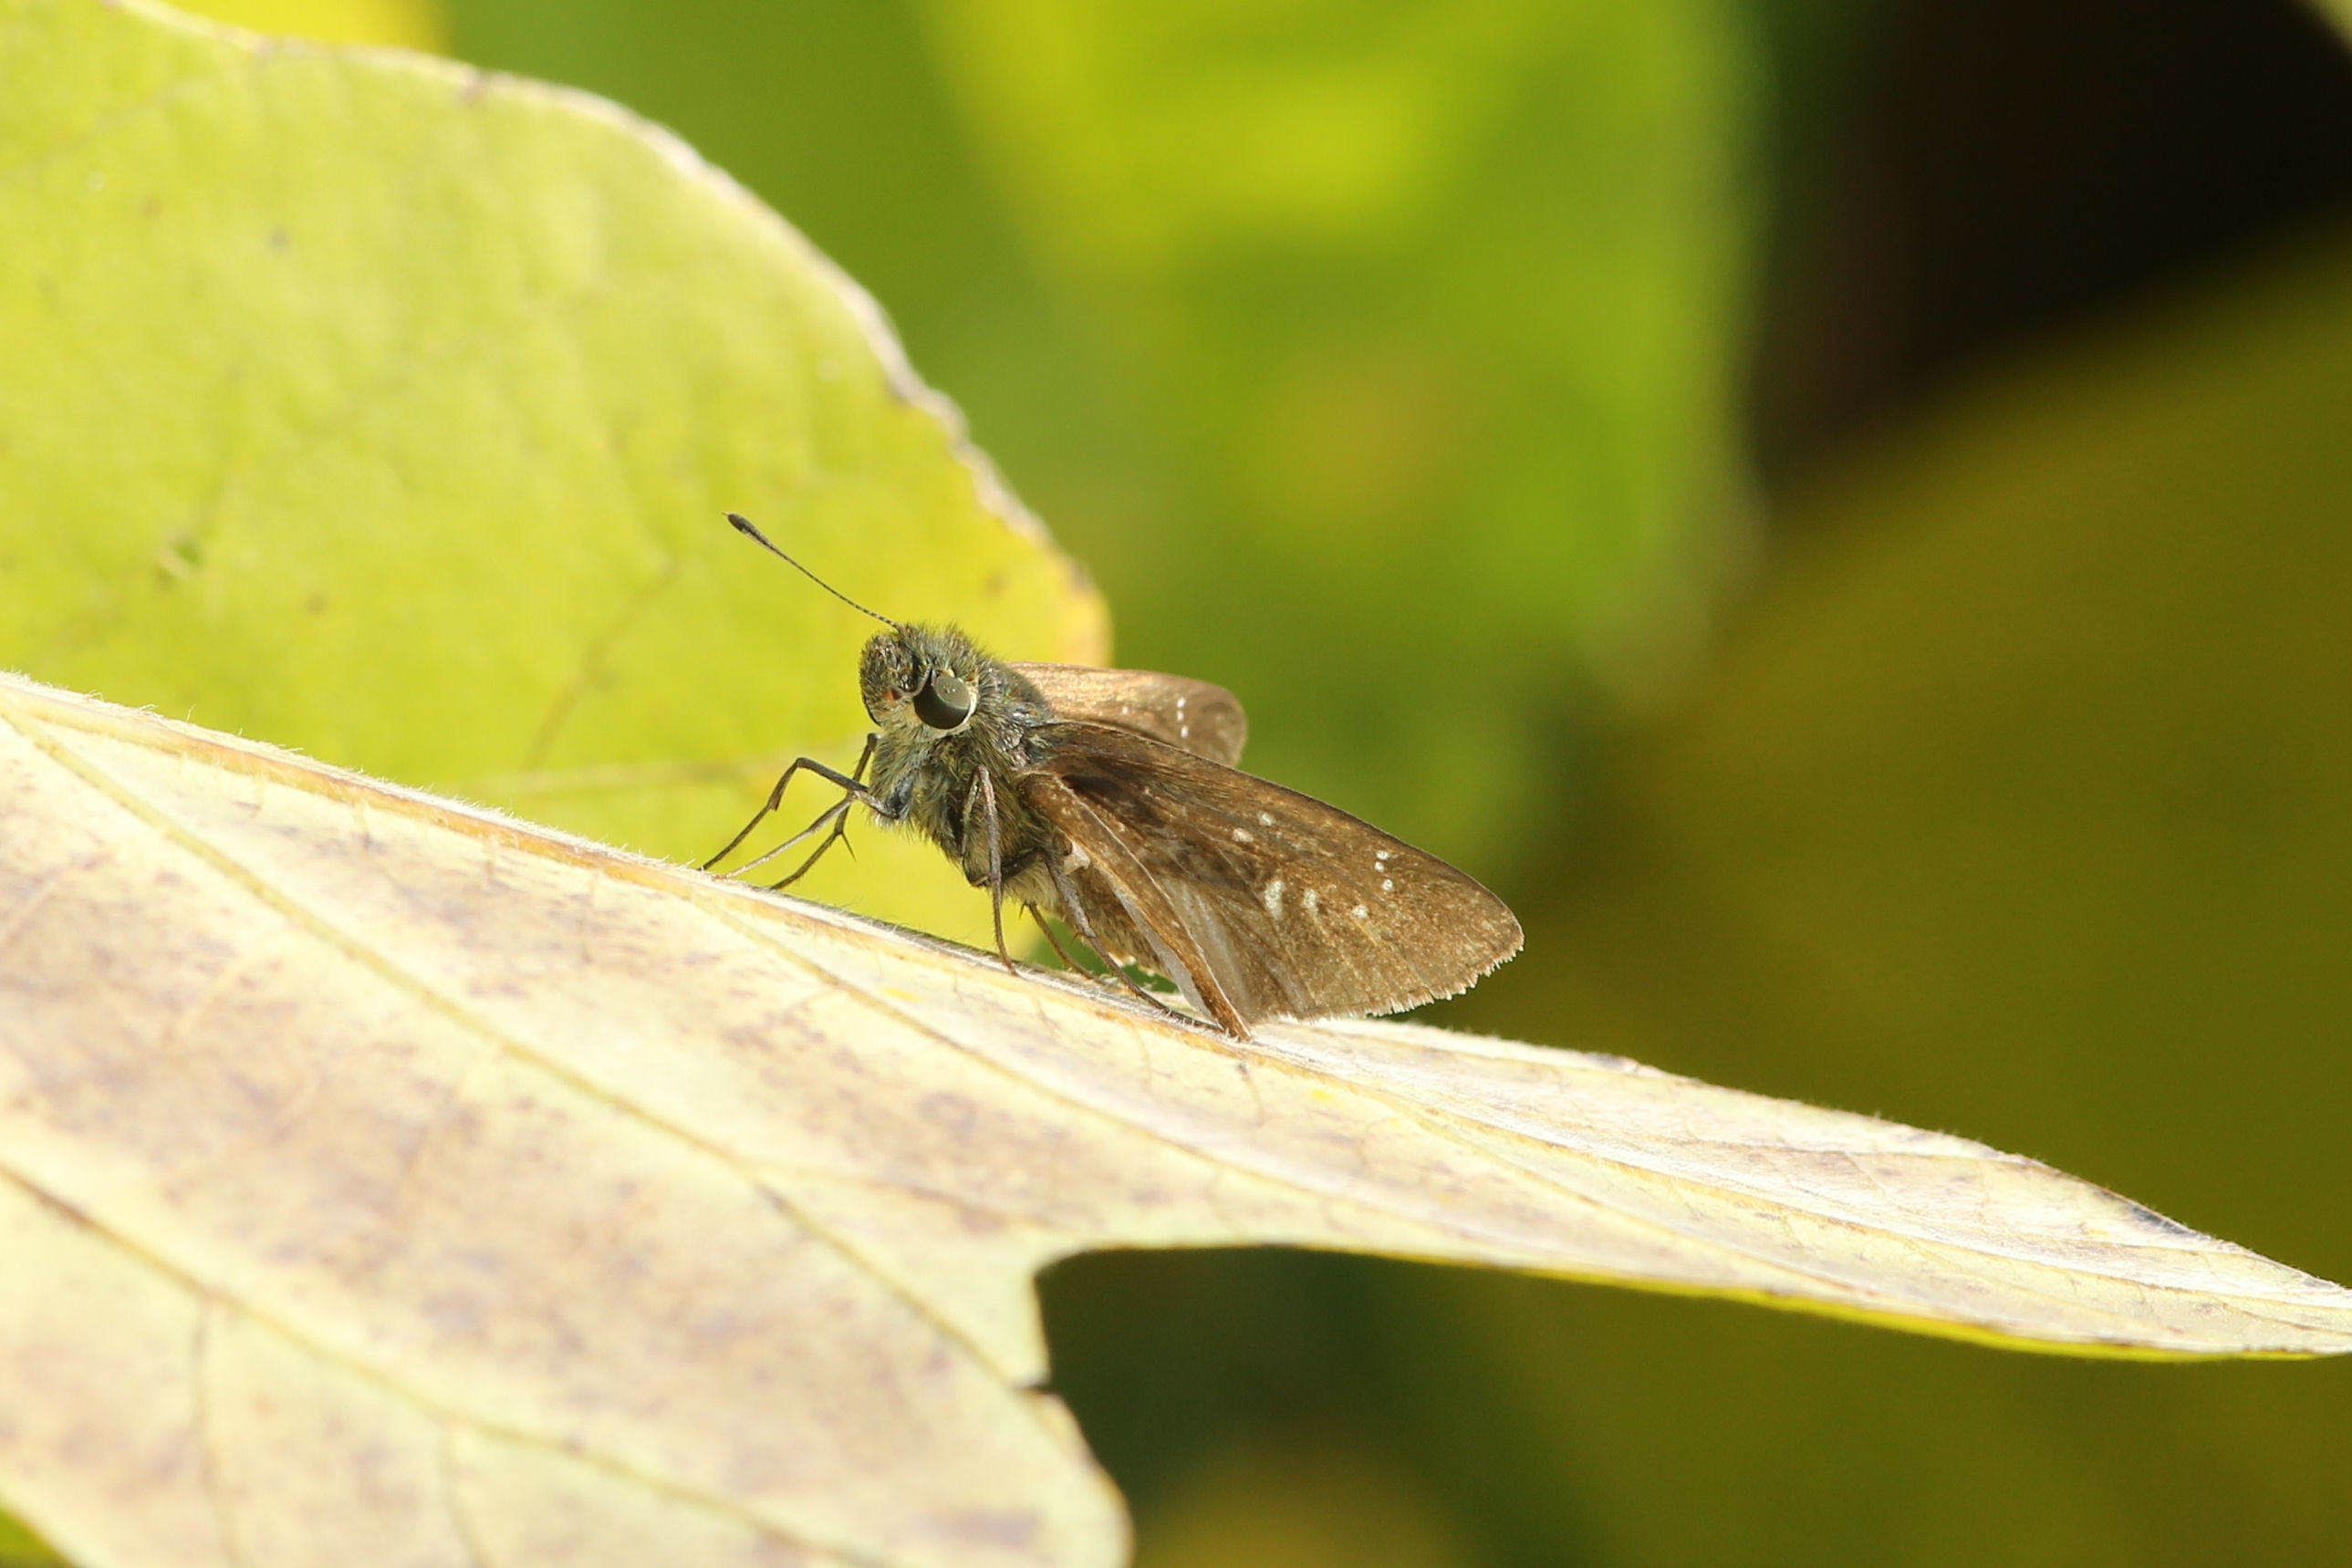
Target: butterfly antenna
743, 525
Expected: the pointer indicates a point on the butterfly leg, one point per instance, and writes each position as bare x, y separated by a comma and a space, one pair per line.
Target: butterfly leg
1076, 912
1076, 967
995, 867
840, 835
823, 819
853, 783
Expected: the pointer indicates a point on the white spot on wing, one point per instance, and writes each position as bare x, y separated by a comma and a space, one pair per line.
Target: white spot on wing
1273, 896
1360, 912
1243, 836
1263, 821
1313, 900
1387, 885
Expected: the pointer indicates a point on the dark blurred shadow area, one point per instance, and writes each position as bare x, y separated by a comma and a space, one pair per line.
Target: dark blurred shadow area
1959, 179
1839, 511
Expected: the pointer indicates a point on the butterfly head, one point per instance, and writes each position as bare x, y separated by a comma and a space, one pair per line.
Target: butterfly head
921, 680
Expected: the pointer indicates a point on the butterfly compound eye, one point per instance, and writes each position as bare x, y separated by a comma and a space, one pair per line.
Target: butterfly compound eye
945, 701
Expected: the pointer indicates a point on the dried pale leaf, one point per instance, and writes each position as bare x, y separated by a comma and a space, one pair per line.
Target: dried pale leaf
384, 1181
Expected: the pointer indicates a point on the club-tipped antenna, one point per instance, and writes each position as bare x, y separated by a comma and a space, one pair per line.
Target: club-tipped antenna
743, 525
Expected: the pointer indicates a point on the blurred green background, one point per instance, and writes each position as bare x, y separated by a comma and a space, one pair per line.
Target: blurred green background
1837, 510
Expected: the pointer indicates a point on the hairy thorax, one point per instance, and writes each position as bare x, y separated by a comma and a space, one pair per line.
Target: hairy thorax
948, 784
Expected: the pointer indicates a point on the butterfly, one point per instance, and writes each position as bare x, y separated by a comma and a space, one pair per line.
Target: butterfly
1111, 800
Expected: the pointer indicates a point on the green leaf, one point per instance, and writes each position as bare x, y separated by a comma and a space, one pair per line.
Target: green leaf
408, 24
388, 409
19, 1548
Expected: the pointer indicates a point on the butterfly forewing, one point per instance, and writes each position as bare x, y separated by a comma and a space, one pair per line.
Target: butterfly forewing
1267, 903
1201, 718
